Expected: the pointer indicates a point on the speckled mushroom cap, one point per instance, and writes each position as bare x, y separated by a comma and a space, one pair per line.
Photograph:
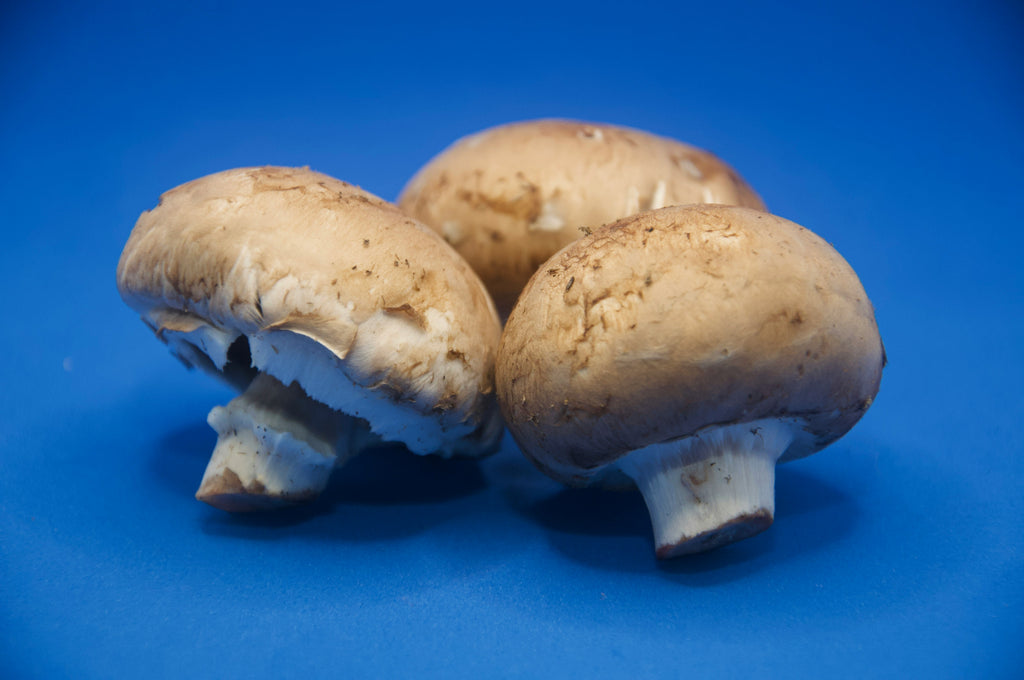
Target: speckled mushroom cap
675, 320
369, 311
509, 197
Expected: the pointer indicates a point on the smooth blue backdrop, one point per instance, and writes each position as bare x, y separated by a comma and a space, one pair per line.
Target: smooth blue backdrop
893, 129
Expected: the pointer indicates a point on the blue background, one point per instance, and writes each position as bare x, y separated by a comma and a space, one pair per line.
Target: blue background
893, 129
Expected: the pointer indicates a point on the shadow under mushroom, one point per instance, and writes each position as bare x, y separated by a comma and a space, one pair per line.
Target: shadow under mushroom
611, 530
384, 493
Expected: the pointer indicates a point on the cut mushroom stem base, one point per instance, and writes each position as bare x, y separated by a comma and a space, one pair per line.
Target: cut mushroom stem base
712, 488
276, 446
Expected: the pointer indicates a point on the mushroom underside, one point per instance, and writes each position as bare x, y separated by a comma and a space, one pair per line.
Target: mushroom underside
277, 441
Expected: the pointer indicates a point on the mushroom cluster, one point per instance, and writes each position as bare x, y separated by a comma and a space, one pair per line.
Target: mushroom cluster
343, 322
663, 330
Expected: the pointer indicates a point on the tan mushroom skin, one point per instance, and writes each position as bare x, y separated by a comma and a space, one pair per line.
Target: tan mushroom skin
689, 348
509, 197
345, 321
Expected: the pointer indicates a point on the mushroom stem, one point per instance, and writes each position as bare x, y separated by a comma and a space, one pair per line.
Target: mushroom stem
712, 488
276, 446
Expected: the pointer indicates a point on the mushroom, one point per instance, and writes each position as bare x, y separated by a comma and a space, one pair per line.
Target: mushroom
688, 350
345, 323
509, 197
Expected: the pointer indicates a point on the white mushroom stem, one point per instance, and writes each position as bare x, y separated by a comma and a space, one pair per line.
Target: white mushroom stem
276, 446
712, 488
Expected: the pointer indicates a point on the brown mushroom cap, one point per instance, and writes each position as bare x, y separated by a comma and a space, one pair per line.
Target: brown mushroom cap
675, 320
369, 311
511, 196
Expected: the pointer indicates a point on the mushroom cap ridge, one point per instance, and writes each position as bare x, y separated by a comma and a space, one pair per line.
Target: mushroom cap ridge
255, 251
675, 320
508, 197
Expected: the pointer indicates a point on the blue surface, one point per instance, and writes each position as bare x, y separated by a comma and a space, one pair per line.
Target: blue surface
894, 130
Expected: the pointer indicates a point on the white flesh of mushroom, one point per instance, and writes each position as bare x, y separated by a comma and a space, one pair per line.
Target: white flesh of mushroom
291, 357
301, 415
711, 488
658, 197
275, 445
691, 168
550, 219
632, 201
452, 232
